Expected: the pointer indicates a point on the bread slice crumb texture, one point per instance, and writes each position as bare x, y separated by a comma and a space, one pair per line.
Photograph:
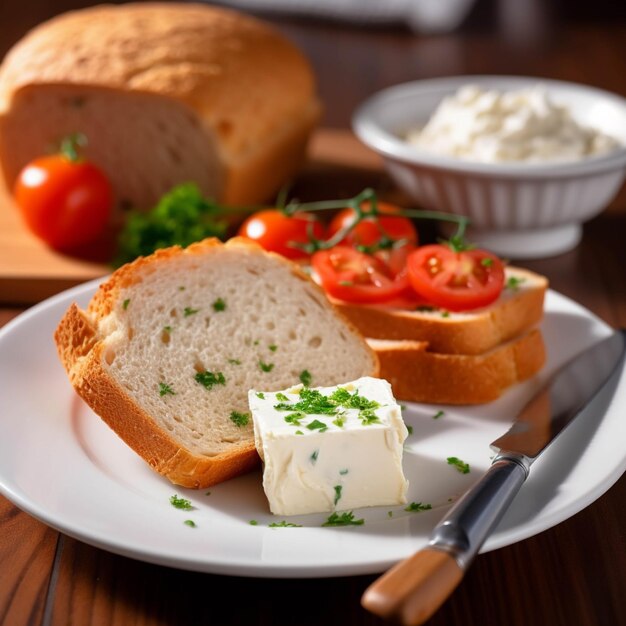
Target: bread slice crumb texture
188, 341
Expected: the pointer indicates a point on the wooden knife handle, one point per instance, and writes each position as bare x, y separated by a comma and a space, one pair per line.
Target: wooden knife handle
415, 588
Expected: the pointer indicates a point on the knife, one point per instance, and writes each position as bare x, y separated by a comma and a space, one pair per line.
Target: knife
415, 588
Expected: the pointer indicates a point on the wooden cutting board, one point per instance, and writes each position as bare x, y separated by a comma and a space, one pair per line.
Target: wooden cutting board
339, 166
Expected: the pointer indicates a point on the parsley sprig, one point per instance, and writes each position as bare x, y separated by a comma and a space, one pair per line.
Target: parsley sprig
418, 507
461, 466
181, 503
343, 519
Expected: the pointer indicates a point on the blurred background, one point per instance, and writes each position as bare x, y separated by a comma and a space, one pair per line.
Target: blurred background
402, 40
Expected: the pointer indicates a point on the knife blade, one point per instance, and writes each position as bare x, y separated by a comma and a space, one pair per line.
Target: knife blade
415, 588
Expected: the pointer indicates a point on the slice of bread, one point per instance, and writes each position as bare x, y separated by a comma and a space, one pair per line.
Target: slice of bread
418, 374
519, 308
170, 345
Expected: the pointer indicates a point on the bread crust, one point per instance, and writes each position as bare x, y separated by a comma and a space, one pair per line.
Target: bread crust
470, 334
205, 57
83, 354
417, 374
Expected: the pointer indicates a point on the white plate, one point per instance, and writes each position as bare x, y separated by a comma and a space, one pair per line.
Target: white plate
61, 463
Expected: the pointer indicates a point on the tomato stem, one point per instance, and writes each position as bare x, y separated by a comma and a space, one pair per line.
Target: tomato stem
70, 146
356, 204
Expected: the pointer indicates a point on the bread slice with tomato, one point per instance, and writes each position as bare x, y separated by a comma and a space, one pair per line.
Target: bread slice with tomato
432, 355
518, 308
469, 333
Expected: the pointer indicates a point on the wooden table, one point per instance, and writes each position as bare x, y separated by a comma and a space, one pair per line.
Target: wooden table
571, 574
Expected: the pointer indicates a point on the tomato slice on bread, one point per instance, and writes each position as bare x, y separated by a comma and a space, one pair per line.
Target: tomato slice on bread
353, 276
456, 281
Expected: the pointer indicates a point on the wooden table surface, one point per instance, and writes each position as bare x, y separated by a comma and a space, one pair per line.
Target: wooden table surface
572, 574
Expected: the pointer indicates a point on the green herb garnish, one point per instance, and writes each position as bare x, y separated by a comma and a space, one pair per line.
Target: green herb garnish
343, 519
294, 418
165, 389
445, 314
167, 329
282, 397
266, 367
343, 472
253, 522
416, 507
181, 217
346, 283
389, 513
340, 396
190, 522
125, 303
313, 402
438, 414
409, 428
338, 489
339, 421
487, 262
234, 361
187, 311
180, 503
317, 425
239, 419
513, 283
209, 379
299, 432
260, 394
284, 524
314, 456
219, 305
306, 378
368, 417
273, 347
461, 466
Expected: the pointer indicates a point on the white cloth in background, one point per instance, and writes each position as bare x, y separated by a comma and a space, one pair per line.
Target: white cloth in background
420, 15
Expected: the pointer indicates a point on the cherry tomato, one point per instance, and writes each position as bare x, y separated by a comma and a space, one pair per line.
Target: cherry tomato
457, 281
353, 276
66, 203
368, 232
276, 232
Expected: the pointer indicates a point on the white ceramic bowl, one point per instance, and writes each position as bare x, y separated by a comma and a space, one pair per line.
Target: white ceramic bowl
518, 210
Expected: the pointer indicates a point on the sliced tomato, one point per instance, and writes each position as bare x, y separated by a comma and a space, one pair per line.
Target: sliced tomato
353, 276
369, 231
277, 232
456, 281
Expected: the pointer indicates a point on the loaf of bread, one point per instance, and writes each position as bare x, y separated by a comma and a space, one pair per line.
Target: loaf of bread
519, 307
418, 374
164, 93
170, 345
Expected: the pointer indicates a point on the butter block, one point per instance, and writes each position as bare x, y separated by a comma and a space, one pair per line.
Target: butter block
330, 448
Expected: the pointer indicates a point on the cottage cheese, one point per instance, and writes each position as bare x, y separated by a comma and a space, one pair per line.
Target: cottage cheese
327, 462
524, 125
